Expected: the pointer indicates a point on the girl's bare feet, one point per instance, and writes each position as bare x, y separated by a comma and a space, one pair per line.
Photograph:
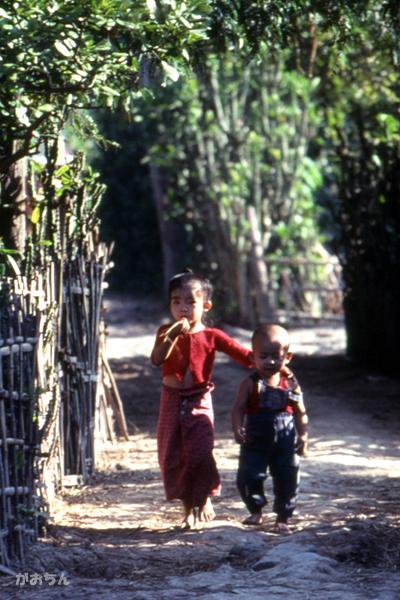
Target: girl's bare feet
190, 520
189, 516
253, 519
206, 512
194, 517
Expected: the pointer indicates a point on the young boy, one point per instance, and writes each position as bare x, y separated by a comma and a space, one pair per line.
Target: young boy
269, 422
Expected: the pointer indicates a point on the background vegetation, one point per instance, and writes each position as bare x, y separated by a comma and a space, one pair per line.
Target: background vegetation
234, 119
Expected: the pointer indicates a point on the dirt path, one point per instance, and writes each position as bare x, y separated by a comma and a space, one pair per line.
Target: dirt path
116, 539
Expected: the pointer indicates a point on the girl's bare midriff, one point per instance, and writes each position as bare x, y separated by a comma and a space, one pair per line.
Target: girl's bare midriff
174, 382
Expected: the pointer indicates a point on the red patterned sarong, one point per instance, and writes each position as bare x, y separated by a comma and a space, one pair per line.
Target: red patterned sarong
185, 437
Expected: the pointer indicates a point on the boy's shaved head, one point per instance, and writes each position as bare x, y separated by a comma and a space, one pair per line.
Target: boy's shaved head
273, 333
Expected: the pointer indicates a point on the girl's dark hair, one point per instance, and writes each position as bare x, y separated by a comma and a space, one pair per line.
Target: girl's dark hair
188, 277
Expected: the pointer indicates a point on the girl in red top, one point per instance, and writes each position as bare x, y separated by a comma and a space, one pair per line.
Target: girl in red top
185, 431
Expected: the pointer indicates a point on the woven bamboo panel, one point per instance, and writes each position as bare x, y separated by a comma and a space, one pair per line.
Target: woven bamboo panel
20, 507
58, 398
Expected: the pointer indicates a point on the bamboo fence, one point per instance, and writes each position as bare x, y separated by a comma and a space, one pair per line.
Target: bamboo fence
58, 399
303, 290
19, 516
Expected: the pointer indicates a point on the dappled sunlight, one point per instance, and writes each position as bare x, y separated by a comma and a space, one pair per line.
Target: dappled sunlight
354, 460
374, 459
349, 488
127, 345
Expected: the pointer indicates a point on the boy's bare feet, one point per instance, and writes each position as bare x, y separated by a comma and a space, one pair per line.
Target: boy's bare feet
206, 512
253, 519
282, 527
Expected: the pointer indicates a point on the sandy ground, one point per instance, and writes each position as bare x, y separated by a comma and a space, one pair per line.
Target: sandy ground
117, 538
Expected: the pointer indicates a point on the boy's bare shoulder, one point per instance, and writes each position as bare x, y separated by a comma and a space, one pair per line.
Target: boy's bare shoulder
247, 384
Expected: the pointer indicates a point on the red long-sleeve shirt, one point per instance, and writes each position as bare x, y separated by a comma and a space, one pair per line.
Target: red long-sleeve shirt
196, 352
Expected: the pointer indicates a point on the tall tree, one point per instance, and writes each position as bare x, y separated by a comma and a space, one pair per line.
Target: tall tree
232, 146
361, 99
353, 52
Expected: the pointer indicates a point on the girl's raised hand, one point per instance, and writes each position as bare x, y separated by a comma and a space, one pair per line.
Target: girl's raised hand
181, 326
185, 325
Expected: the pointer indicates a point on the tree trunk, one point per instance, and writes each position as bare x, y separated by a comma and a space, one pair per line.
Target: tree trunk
246, 315
264, 310
370, 229
172, 234
14, 206
372, 319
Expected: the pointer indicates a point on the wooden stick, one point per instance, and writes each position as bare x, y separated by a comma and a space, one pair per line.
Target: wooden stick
120, 416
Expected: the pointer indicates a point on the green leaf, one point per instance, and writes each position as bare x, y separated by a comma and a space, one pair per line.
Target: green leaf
46, 108
35, 216
110, 91
22, 117
62, 49
9, 251
170, 71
